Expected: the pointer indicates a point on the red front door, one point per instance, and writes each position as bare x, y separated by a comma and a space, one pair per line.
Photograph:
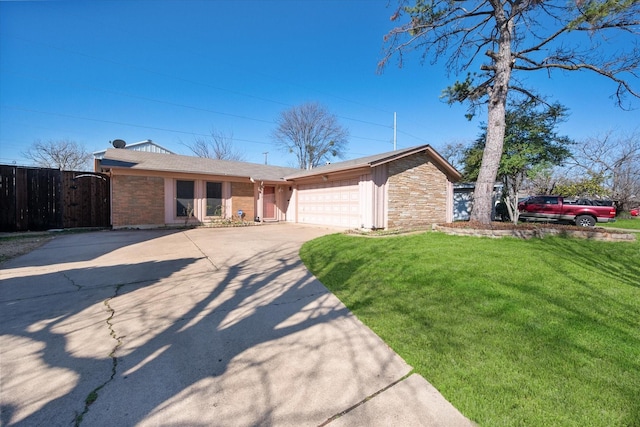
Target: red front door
269, 203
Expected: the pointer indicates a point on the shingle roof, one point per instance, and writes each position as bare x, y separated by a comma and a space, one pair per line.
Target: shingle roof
374, 160
189, 164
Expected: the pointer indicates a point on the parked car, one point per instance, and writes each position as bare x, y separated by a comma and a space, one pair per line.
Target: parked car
635, 212
581, 212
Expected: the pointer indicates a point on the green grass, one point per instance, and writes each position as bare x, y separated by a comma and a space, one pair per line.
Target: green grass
627, 223
542, 332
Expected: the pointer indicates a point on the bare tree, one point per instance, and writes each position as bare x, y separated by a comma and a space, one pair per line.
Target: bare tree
543, 180
63, 154
454, 153
217, 146
502, 39
311, 133
615, 159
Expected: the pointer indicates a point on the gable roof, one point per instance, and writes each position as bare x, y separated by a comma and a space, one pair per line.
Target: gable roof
378, 159
129, 159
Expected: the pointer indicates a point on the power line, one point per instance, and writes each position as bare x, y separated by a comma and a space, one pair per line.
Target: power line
186, 106
121, 123
413, 136
146, 70
151, 71
31, 110
144, 98
159, 101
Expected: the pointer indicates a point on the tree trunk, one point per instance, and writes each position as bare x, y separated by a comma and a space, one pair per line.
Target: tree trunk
496, 124
483, 193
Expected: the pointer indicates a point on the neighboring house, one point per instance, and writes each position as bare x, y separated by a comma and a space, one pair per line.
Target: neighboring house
463, 200
404, 188
147, 145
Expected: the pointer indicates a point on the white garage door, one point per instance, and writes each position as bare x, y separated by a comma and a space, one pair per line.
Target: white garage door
335, 203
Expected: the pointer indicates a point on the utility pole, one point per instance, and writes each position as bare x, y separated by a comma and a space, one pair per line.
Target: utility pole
395, 131
265, 157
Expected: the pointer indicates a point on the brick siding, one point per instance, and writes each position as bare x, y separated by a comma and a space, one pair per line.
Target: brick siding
137, 200
417, 192
242, 199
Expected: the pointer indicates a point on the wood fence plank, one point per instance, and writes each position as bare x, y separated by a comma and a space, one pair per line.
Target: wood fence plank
41, 199
8, 212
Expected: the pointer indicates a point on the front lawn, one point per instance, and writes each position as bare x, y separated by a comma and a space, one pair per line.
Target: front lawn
626, 223
542, 332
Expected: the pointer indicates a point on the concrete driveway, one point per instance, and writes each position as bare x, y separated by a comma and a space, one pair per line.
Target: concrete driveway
202, 327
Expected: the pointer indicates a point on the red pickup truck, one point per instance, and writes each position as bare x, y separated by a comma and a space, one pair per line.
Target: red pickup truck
582, 212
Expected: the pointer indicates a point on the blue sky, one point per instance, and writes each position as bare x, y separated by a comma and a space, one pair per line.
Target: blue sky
171, 71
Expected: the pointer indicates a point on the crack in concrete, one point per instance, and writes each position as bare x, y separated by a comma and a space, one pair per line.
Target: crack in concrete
83, 288
201, 251
93, 395
303, 297
71, 281
365, 400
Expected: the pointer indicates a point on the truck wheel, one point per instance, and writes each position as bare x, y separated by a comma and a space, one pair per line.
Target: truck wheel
585, 221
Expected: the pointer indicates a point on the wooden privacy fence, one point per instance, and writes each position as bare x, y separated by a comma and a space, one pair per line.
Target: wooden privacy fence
33, 199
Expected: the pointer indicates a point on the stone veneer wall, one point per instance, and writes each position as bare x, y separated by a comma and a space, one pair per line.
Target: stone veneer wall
242, 199
417, 192
542, 232
137, 200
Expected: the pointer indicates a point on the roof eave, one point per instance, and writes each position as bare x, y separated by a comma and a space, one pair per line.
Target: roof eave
452, 172
123, 165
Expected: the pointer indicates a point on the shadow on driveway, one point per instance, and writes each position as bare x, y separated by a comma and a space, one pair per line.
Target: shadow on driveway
151, 330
